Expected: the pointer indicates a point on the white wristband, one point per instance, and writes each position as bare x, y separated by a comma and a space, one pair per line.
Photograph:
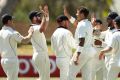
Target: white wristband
72, 19
47, 18
79, 49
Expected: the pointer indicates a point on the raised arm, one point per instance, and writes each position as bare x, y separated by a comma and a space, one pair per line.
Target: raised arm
93, 18
45, 18
72, 19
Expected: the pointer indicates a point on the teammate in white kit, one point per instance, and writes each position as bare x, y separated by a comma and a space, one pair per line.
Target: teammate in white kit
98, 43
83, 59
107, 35
8, 47
114, 48
62, 43
40, 56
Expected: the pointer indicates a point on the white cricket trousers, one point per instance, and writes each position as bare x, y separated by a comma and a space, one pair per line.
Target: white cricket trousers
42, 64
10, 67
106, 66
63, 65
99, 65
86, 65
113, 71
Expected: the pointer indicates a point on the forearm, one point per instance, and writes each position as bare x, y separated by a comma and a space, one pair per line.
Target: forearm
26, 39
106, 50
47, 22
44, 24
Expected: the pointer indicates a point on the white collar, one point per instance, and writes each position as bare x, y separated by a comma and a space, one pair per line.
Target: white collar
7, 27
33, 24
84, 20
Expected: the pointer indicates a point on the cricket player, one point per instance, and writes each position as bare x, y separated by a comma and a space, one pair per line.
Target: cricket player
62, 43
99, 44
114, 45
83, 59
107, 35
40, 56
8, 44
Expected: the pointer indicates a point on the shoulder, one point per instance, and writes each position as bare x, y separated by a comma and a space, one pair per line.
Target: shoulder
15, 32
116, 33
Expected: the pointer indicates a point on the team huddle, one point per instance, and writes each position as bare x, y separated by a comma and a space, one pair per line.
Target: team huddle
96, 55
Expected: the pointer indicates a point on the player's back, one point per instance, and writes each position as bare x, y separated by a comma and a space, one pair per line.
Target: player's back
59, 43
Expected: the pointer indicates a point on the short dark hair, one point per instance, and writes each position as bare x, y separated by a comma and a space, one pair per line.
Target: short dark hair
98, 21
5, 18
32, 14
112, 15
40, 14
84, 10
117, 20
61, 18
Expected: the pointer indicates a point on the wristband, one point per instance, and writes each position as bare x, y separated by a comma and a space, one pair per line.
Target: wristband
72, 19
79, 49
47, 18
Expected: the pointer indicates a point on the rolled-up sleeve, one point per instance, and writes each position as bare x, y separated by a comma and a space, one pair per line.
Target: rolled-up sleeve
81, 31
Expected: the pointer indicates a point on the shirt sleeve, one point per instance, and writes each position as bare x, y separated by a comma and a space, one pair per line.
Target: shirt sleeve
17, 36
81, 31
70, 40
113, 42
52, 44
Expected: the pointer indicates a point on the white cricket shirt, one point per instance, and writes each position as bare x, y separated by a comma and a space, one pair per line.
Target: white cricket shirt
62, 42
84, 29
115, 44
9, 40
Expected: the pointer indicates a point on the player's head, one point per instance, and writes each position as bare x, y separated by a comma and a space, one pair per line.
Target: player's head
98, 21
98, 24
33, 16
82, 13
39, 17
110, 18
7, 20
63, 21
117, 22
